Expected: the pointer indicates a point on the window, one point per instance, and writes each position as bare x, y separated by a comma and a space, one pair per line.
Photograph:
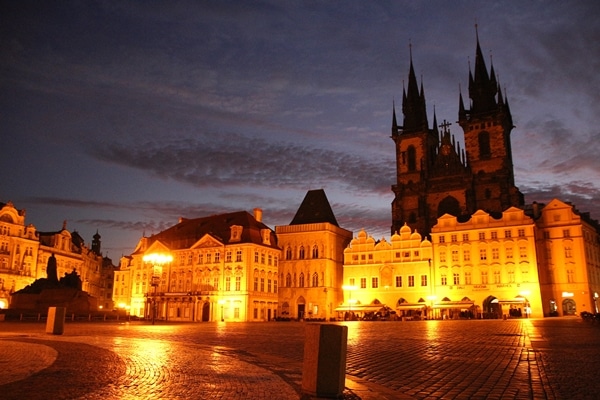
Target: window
301, 280
262, 284
456, 278
444, 280
467, 255
275, 286
315, 252
521, 232
315, 280
262, 258
455, 255
482, 254
228, 256
215, 283
398, 281
238, 256
484, 145
351, 281
288, 280
423, 280
411, 281
522, 251
442, 239
363, 283
468, 278
509, 253
256, 256
494, 235
256, 284
453, 238
481, 235
511, 276
270, 259
190, 259
374, 282
217, 257
568, 252
465, 237
484, 277
228, 283
507, 234
208, 258
495, 253
288, 253
301, 253
443, 256
566, 233
200, 258
412, 158
238, 283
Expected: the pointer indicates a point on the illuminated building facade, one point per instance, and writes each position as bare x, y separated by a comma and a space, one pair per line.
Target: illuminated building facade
24, 253
568, 247
396, 274
222, 267
311, 266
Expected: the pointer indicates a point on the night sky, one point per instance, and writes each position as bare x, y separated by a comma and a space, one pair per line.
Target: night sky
123, 116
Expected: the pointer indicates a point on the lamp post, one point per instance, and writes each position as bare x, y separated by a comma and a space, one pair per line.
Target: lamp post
350, 288
222, 303
157, 260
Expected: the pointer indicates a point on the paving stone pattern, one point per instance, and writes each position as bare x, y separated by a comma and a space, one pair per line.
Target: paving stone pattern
514, 359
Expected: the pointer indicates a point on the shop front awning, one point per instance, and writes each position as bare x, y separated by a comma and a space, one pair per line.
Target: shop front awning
410, 306
518, 300
454, 304
360, 308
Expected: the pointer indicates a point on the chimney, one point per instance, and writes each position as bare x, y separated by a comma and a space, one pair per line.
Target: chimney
258, 214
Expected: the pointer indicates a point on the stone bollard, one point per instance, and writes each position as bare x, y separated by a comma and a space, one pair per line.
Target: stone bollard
324, 368
55, 324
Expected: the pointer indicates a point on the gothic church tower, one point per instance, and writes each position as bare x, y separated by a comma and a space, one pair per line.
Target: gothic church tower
487, 126
433, 175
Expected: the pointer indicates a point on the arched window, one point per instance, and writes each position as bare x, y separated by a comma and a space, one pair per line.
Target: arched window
484, 145
315, 280
288, 253
315, 251
412, 158
301, 253
301, 280
449, 205
288, 280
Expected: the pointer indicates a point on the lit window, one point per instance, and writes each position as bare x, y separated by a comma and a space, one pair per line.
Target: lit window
497, 277
444, 281
363, 283
411, 281
467, 278
456, 278
374, 282
484, 277
467, 255
398, 281
482, 254
423, 280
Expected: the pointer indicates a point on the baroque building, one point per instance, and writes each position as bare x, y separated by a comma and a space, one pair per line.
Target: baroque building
311, 266
221, 267
24, 254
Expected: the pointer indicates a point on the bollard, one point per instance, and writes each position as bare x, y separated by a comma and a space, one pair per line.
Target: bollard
324, 367
55, 324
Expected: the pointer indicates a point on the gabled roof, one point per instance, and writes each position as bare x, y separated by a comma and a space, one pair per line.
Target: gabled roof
315, 208
188, 231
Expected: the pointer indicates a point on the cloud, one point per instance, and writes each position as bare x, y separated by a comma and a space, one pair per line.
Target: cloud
235, 160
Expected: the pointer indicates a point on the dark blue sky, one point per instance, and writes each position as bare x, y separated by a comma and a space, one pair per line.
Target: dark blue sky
123, 116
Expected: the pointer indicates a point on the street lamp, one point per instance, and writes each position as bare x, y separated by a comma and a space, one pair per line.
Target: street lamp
157, 260
350, 288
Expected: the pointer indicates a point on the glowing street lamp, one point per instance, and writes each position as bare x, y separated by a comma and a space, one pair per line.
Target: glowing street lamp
350, 288
157, 260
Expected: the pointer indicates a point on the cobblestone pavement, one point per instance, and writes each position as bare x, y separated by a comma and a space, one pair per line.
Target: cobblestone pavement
514, 359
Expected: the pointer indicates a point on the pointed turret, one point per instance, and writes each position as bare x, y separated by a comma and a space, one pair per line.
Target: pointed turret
413, 105
482, 89
394, 120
